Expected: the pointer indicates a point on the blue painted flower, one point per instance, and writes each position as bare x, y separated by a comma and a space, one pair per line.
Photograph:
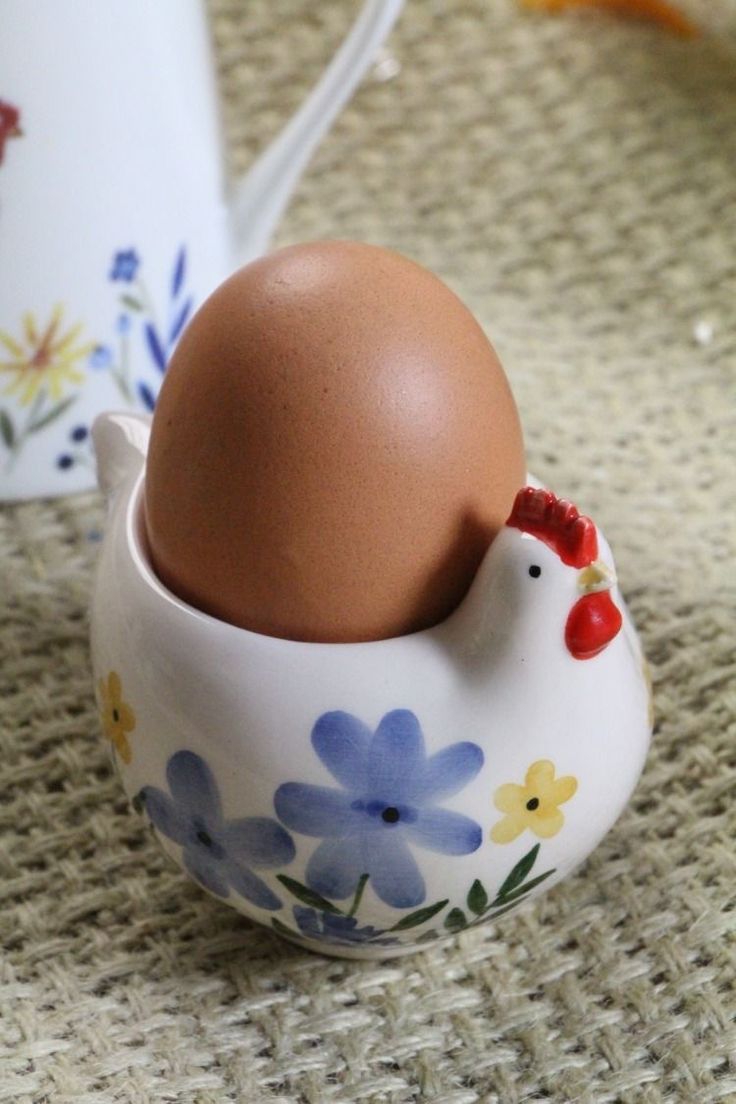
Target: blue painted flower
100, 357
124, 265
218, 853
326, 927
388, 802
123, 324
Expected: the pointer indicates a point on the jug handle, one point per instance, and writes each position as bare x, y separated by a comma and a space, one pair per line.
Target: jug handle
120, 443
259, 199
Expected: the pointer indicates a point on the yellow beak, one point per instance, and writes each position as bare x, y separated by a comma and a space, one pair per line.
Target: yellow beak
596, 577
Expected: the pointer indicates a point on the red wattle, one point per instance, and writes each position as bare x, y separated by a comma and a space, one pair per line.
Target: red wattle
591, 624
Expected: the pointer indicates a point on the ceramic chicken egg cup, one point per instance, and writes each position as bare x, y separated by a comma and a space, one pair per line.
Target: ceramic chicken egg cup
365, 799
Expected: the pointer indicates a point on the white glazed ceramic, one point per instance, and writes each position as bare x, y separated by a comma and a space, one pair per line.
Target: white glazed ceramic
365, 799
113, 216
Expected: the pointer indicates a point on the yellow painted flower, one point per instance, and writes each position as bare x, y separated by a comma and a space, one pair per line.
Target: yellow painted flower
43, 358
535, 805
118, 719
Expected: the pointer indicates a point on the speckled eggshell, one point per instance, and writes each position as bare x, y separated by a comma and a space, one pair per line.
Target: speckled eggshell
334, 447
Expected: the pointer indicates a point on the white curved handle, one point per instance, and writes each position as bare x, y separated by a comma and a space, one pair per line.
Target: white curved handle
259, 199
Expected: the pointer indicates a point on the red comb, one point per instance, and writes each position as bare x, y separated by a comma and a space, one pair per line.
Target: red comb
556, 522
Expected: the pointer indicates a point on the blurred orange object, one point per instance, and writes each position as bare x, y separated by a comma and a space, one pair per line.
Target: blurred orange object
659, 11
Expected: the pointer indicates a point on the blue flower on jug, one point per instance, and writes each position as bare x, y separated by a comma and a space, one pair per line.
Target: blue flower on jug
220, 854
147, 397
388, 805
325, 927
146, 322
78, 454
124, 265
100, 357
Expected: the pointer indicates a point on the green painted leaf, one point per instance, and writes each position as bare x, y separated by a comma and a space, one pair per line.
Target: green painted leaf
282, 928
428, 936
501, 911
51, 415
477, 898
308, 896
521, 890
359, 894
37, 404
519, 872
134, 304
122, 385
7, 429
414, 919
139, 802
456, 920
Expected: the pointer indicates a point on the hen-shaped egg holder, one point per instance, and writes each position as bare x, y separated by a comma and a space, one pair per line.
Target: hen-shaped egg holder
366, 799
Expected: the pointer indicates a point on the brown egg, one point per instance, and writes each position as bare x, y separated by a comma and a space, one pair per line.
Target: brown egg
334, 447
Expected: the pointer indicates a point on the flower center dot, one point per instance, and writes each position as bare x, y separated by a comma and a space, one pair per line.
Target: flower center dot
115, 716
532, 804
204, 837
390, 815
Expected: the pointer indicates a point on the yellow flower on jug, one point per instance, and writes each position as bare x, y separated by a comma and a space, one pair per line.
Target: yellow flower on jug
43, 358
535, 805
116, 716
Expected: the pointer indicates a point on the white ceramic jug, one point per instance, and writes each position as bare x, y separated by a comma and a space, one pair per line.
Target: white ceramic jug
114, 220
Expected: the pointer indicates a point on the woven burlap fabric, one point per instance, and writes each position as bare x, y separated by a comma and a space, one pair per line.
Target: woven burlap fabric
573, 179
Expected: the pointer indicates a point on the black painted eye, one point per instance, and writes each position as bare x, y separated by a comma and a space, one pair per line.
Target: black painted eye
535, 571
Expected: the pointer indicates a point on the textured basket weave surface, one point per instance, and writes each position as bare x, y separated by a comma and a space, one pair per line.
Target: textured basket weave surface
573, 179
